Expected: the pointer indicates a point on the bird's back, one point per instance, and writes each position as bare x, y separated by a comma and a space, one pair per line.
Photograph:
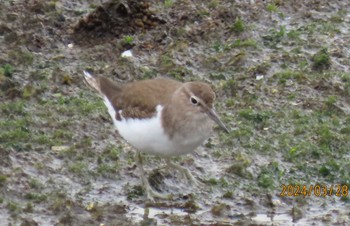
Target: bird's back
140, 99
137, 99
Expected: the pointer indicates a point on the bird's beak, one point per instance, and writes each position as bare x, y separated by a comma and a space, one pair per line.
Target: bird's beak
212, 114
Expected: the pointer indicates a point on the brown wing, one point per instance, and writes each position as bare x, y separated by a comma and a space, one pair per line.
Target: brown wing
108, 87
139, 99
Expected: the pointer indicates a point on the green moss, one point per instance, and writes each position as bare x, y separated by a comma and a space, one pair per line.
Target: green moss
300, 129
166, 62
70, 153
3, 179
329, 28
212, 181
62, 134
21, 134
217, 46
239, 169
239, 166
266, 180
13, 206
240, 133
345, 199
274, 36
15, 123
238, 26
330, 170
127, 39
321, 60
285, 75
345, 78
243, 43
309, 28
217, 76
29, 208
50, 5
231, 86
85, 142
303, 64
73, 106
326, 135
223, 182
303, 150
106, 169
261, 68
111, 152
6, 70
230, 103
269, 175
345, 130
168, 3
44, 139
324, 171
149, 73
272, 8
228, 195
330, 108
35, 184
213, 4
108, 162
21, 57
179, 73
293, 34
17, 107
77, 167
58, 201
251, 115
35, 197
28, 91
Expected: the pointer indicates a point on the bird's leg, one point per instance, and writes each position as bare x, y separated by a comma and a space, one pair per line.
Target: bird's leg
184, 172
150, 192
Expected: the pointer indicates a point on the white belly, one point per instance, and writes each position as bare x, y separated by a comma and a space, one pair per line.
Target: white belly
147, 135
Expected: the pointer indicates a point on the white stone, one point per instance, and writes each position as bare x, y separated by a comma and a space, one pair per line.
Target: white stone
127, 53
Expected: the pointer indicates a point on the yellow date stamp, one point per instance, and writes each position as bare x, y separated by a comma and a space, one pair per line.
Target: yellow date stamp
319, 190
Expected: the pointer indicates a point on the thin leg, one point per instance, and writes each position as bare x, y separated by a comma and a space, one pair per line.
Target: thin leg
149, 191
184, 172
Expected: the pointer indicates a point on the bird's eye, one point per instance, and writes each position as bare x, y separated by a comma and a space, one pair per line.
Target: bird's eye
194, 101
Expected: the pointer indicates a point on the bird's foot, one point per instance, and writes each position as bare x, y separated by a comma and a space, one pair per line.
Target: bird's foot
185, 172
150, 192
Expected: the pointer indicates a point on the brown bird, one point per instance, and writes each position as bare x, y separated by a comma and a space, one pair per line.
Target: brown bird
159, 116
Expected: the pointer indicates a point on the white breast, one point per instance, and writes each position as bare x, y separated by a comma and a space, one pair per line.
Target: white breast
147, 135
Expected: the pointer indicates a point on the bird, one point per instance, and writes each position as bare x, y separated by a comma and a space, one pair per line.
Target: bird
159, 116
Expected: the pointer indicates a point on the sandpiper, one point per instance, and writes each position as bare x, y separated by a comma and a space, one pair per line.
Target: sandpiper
160, 116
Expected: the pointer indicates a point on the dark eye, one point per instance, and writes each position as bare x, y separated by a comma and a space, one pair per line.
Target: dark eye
194, 101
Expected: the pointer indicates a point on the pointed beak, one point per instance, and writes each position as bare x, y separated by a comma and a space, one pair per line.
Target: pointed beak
212, 114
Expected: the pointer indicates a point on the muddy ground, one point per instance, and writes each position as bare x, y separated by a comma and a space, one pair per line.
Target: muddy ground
281, 73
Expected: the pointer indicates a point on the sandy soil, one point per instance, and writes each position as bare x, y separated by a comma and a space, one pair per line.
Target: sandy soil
281, 73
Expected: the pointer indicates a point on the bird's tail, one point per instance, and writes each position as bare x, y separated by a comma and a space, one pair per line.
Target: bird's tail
105, 86
92, 81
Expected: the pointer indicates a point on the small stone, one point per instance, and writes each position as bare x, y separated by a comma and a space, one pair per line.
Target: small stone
59, 148
259, 77
127, 53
